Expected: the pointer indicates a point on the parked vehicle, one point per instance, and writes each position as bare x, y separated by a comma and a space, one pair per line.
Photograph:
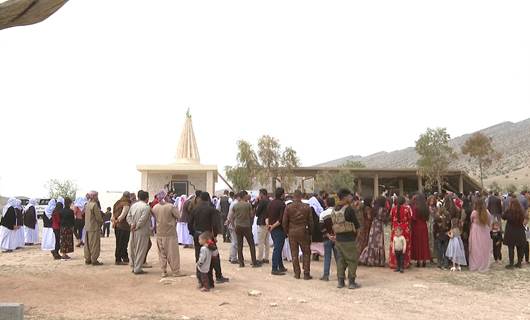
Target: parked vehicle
42, 204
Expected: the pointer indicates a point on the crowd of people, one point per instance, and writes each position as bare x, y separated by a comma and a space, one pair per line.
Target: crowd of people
455, 230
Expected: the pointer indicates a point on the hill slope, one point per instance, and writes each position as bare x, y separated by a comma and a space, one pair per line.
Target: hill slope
512, 140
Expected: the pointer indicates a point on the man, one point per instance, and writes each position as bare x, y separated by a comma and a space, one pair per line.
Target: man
223, 206
232, 230
106, 223
204, 218
523, 201
495, 206
122, 230
93, 222
263, 230
274, 223
298, 224
166, 216
242, 221
139, 218
345, 226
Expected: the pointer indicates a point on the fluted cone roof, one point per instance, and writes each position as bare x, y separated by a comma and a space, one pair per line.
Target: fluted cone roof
187, 151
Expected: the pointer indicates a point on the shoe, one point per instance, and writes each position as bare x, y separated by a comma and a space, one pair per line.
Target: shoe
178, 275
119, 263
453, 269
234, 262
97, 263
282, 269
205, 290
352, 285
222, 280
397, 270
307, 277
401, 271
510, 267
297, 276
518, 266
277, 273
341, 284
66, 257
265, 261
139, 272
417, 264
459, 269
424, 264
147, 266
257, 265
164, 275
324, 278
241, 265
88, 262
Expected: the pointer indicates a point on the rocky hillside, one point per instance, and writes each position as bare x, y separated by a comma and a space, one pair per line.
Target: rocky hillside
512, 140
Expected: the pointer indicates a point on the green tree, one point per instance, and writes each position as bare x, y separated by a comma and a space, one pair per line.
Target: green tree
341, 179
354, 164
61, 188
479, 147
269, 156
288, 161
435, 155
525, 188
240, 177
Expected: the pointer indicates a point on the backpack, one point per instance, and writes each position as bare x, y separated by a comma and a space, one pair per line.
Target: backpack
340, 225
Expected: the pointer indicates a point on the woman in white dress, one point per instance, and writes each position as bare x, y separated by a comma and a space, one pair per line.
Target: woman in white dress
48, 237
8, 222
31, 223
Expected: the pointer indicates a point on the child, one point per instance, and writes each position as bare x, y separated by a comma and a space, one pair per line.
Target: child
204, 265
496, 236
399, 245
106, 222
455, 249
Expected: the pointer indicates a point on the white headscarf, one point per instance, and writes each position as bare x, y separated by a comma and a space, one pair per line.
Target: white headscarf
60, 200
80, 203
49, 209
12, 202
31, 203
313, 202
18, 204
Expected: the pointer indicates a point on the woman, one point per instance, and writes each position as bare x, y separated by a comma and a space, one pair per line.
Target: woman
433, 211
31, 223
8, 224
514, 234
480, 247
374, 253
420, 232
67, 229
401, 215
56, 226
367, 218
48, 237
467, 208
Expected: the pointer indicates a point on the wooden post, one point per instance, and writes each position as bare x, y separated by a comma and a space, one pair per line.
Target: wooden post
420, 184
401, 187
461, 183
376, 186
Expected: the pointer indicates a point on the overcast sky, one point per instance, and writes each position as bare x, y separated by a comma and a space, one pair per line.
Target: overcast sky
104, 85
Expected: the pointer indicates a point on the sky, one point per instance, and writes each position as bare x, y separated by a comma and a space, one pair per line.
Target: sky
102, 86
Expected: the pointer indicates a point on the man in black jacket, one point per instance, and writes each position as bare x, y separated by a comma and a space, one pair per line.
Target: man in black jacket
204, 218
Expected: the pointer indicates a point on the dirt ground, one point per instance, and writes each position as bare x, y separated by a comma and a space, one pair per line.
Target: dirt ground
70, 290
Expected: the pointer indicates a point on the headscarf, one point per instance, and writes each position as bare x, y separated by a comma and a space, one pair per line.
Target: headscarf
31, 203
49, 209
60, 200
12, 202
313, 202
80, 203
91, 195
18, 204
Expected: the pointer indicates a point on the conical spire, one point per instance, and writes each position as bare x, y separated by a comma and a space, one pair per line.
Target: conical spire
187, 151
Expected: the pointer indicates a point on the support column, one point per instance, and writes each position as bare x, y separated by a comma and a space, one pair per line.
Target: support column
420, 184
360, 186
376, 186
401, 187
461, 184
303, 185
210, 185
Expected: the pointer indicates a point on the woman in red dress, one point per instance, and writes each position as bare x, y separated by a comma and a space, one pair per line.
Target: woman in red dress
420, 232
401, 215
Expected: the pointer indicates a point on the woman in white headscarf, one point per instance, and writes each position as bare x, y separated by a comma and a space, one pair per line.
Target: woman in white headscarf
31, 225
8, 222
19, 231
48, 237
